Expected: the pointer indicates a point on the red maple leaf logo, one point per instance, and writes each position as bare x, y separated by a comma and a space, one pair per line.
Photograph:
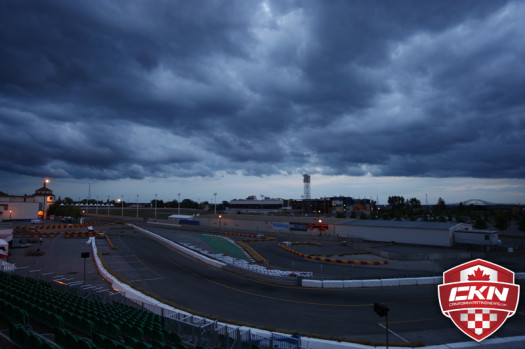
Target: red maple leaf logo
479, 275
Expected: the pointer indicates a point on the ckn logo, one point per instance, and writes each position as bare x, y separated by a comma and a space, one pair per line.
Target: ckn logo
478, 297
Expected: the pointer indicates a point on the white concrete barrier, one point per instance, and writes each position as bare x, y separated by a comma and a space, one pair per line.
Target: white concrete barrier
426, 280
312, 283
389, 282
352, 283
127, 290
180, 248
372, 283
407, 281
333, 284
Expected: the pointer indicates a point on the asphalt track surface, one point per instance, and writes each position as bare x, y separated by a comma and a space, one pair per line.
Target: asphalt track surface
414, 314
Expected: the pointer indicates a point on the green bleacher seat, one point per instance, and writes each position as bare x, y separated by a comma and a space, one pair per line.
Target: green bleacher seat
23, 300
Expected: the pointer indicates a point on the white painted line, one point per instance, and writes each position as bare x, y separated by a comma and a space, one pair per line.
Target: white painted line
122, 270
395, 334
124, 262
147, 279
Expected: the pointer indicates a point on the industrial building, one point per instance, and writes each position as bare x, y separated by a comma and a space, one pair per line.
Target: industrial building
252, 205
324, 206
26, 207
418, 233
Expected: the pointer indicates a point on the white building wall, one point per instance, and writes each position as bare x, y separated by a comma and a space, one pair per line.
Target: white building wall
19, 210
417, 236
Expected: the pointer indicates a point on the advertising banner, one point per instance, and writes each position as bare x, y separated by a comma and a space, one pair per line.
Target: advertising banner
299, 226
280, 226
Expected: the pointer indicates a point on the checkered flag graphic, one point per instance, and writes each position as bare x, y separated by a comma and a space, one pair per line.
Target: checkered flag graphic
478, 320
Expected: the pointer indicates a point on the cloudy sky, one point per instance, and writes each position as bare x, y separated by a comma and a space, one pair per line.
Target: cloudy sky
371, 98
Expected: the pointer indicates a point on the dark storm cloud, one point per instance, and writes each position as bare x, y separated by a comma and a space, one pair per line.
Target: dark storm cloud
132, 89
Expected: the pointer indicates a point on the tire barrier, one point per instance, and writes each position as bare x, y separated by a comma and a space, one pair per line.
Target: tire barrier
82, 234
260, 240
32, 234
109, 242
57, 226
254, 254
313, 243
330, 260
237, 234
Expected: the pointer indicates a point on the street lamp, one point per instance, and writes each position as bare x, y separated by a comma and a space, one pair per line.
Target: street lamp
220, 220
10, 213
108, 205
179, 205
122, 206
137, 205
44, 204
215, 201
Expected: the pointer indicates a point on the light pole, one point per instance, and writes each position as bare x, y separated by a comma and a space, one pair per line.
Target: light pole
155, 207
108, 205
215, 202
44, 204
96, 207
10, 215
179, 205
220, 221
122, 206
137, 205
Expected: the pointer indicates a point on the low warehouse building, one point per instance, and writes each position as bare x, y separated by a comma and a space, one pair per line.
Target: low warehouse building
418, 233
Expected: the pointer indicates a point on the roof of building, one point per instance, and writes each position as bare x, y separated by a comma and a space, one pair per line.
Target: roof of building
400, 224
44, 190
257, 202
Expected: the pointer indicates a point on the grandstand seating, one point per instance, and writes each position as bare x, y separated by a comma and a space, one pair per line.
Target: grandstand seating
77, 322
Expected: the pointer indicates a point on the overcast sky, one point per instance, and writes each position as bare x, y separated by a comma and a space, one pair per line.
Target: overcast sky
371, 98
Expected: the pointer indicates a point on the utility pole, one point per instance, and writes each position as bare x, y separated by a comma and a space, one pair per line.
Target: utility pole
155, 207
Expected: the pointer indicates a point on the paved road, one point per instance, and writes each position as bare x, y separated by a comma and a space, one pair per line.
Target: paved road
190, 285
414, 311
